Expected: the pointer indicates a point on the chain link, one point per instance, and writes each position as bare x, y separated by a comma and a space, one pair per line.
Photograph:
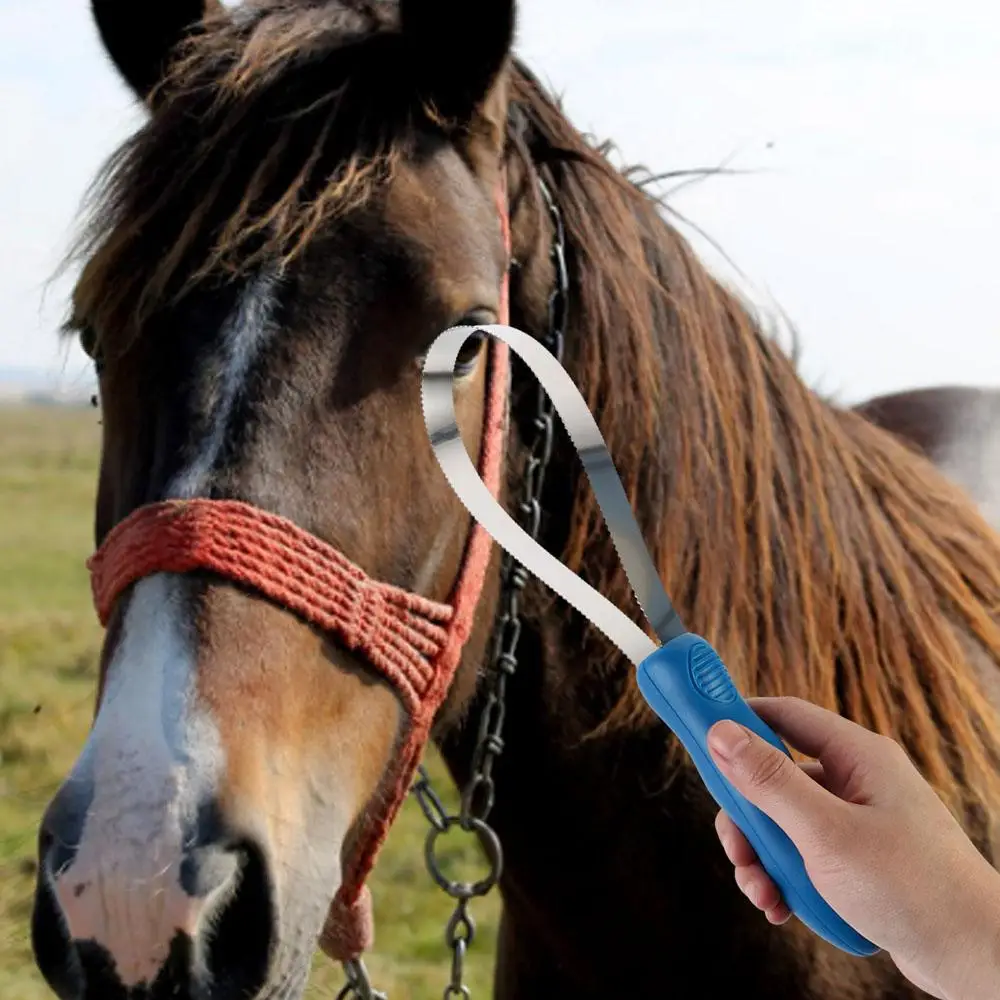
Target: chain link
358, 985
479, 794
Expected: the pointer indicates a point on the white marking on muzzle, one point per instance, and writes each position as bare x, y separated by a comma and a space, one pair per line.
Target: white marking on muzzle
151, 759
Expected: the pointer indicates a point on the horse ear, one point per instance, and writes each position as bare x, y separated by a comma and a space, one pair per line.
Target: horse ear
456, 50
140, 37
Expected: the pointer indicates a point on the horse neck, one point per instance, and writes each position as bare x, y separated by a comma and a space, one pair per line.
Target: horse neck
744, 483
808, 545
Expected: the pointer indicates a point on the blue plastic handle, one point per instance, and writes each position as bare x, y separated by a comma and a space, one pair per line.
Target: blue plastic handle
687, 685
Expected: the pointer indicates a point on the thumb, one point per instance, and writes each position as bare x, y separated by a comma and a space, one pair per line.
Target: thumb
770, 779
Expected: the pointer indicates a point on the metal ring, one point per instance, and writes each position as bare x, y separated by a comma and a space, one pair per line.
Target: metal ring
494, 855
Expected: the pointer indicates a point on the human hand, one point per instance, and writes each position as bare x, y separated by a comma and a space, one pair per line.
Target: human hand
878, 843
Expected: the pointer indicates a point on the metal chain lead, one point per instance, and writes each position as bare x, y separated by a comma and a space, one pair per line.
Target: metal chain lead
479, 793
358, 985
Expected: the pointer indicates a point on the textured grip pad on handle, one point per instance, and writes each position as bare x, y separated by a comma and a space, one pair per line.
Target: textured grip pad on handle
689, 688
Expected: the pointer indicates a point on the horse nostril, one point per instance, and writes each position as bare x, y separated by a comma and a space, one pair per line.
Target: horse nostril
205, 870
55, 955
238, 948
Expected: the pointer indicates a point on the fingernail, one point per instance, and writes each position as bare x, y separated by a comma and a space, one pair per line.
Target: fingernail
728, 738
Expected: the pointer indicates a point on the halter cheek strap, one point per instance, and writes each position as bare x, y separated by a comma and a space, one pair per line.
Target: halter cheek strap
349, 929
414, 643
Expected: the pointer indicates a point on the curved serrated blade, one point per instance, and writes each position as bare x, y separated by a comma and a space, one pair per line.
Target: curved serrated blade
439, 415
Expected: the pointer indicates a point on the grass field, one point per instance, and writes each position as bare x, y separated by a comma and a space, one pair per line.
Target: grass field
49, 641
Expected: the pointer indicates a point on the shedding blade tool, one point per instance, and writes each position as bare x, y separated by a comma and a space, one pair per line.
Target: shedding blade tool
683, 678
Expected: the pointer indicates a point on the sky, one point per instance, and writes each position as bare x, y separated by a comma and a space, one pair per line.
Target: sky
864, 136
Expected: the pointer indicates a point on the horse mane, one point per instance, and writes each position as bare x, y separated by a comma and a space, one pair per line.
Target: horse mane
820, 556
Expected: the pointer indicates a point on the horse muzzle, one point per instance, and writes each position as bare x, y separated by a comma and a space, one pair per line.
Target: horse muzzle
201, 925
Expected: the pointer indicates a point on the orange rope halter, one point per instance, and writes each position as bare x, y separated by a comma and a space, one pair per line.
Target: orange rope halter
397, 632
415, 643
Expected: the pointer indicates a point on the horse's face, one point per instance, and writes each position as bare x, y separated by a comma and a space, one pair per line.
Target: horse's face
199, 839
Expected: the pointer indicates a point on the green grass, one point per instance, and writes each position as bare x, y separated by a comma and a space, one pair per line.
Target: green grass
49, 643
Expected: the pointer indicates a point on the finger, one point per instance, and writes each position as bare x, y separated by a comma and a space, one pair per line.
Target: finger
771, 780
807, 727
736, 846
762, 891
815, 771
738, 849
757, 886
841, 746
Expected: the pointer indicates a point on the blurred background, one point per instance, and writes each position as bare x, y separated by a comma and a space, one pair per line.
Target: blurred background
866, 136
863, 203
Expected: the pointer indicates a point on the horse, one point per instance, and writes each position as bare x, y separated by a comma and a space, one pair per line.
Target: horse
319, 188
956, 427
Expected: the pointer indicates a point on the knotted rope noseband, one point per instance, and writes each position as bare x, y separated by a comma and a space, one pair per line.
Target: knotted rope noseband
414, 643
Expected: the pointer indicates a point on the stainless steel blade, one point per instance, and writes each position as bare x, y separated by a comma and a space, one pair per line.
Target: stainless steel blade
439, 415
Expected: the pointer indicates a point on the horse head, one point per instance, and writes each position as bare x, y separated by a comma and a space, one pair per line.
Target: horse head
312, 198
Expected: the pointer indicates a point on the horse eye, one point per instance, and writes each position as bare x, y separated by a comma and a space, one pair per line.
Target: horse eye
88, 341
469, 353
90, 346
